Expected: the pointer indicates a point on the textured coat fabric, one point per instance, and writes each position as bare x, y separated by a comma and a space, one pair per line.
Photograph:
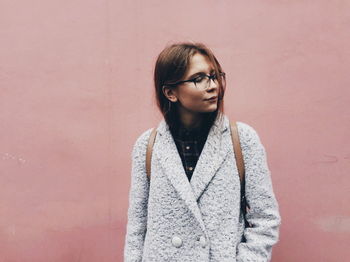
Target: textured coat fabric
173, 219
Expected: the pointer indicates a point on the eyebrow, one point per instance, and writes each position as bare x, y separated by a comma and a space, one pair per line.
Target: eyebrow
200, 73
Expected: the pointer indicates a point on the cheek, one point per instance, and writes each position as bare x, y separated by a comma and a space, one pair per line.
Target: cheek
192, 99
193, 95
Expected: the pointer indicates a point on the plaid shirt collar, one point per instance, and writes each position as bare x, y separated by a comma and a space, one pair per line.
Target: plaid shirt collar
197, 133
183, 132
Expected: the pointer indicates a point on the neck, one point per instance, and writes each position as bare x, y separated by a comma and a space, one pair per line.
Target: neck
190, 120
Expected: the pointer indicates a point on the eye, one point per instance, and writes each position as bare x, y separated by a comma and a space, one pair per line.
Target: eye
198, 79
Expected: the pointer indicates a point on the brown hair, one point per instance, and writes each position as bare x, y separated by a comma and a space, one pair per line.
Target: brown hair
171, 66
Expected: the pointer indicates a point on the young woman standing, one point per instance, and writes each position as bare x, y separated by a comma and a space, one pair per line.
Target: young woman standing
190, 208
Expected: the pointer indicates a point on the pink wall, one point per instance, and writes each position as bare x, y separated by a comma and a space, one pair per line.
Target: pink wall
76, 91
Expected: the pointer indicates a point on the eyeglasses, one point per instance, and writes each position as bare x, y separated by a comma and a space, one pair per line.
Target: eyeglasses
201, 82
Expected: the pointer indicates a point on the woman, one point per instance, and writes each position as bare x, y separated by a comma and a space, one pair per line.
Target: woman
189, 209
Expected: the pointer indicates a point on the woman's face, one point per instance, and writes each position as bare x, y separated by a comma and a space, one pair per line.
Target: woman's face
192, 100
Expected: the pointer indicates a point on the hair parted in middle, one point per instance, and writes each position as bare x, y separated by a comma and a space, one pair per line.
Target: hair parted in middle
171, 66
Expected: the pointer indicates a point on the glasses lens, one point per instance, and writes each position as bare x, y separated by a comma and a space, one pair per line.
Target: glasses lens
203, 82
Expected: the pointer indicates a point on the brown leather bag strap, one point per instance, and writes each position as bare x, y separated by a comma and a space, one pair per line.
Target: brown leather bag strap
149, 152
241, 170
238, 151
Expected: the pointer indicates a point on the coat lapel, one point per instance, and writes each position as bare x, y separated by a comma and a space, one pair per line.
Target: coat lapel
212, 155
170, 160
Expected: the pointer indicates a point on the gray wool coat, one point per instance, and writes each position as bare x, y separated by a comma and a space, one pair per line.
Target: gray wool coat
173, 219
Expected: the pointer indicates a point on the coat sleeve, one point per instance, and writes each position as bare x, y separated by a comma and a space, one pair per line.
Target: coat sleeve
138, 201
264, 210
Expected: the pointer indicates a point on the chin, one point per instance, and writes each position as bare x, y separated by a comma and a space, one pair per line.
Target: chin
210, 109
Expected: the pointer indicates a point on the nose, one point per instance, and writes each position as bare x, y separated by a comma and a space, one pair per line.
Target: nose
212, 85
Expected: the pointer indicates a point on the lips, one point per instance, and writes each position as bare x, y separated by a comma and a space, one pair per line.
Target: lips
212, 98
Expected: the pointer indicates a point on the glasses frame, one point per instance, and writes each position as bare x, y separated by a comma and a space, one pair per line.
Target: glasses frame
210, 77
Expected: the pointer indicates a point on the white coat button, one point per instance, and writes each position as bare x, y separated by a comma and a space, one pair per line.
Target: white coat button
176, 241
202, 241
187, 147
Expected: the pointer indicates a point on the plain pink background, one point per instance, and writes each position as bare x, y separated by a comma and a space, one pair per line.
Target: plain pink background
76, 91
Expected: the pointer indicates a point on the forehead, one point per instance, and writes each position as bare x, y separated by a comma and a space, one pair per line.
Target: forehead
199, 63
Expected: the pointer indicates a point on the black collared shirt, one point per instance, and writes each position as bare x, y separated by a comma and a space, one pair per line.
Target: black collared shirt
190, 144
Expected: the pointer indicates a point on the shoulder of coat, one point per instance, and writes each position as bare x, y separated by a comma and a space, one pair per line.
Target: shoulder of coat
142, 141
144, 136
246, 132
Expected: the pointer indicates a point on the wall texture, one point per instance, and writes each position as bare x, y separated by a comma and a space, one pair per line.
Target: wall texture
76, 91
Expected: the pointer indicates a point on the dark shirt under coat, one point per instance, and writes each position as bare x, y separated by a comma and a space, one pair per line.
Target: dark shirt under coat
190, 143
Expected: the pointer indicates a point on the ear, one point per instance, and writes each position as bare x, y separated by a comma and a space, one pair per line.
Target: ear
170, 93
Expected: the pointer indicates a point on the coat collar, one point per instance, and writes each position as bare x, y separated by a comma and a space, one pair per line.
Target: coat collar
213, 154
218, 125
